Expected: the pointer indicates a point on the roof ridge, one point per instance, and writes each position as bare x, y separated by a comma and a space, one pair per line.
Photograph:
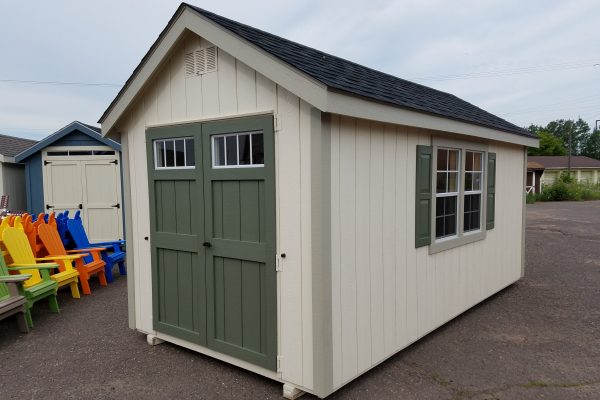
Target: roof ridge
203, 11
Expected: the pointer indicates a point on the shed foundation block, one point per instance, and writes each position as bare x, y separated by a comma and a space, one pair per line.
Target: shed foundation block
291, 392
153, 340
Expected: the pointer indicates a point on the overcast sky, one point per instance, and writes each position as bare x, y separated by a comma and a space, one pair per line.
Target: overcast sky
526, 61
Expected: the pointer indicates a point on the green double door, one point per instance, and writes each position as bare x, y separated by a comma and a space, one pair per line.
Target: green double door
212, 210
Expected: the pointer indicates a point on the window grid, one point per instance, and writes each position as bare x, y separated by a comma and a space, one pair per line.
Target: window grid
166, 153
473, 191
447, 192
253, 144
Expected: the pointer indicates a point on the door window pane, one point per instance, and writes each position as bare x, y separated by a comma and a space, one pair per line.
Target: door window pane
231, 150
159, 147
244, 148
258, 150
169, 153
179, 153
190, 158
219, 150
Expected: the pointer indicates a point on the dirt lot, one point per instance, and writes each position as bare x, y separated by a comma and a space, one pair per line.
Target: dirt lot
538, 339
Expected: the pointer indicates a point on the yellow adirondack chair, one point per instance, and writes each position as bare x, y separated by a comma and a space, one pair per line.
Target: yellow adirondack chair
18, 247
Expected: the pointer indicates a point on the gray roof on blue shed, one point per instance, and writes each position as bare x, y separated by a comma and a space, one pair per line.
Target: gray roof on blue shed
75, 126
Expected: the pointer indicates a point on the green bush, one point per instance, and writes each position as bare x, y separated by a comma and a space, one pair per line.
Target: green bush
566, 189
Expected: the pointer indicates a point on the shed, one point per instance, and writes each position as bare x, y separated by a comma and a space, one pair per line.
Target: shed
76, 168
302, 216
583, 169
12, 174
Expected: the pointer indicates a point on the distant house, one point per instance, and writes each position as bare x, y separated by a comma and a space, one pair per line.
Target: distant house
12, 174
584, 169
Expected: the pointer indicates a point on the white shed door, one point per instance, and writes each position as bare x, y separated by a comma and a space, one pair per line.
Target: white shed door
88, 183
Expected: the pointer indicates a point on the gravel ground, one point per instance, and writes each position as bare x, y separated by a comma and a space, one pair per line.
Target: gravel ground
538, 339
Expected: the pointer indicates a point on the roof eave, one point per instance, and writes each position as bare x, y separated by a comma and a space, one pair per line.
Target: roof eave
351, 105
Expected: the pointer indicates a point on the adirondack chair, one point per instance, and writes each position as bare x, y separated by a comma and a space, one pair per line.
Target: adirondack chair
31, 233
12, 300
39, 286
61, 226
111, 256
51, 240
18, 246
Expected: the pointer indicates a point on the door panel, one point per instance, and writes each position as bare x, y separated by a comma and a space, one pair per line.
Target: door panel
240, 264
63, 185
178, 268
101, 199
213, 245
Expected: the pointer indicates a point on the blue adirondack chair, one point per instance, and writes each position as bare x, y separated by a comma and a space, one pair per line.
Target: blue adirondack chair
61, 227
111, 256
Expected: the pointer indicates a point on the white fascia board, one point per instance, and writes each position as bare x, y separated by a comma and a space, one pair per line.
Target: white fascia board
338, 103
306, 88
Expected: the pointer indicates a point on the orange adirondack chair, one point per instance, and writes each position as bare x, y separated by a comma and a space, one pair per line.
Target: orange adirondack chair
51, 240
31, 232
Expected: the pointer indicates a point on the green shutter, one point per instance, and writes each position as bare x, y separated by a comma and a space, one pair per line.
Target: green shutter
423, 197
491, 191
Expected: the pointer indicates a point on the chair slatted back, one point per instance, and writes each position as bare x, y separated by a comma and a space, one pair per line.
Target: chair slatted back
18, 246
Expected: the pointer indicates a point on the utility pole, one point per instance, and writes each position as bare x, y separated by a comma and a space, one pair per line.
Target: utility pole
570, 147
597, 123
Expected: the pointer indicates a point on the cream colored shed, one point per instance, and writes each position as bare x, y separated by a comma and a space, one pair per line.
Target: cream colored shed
302, 216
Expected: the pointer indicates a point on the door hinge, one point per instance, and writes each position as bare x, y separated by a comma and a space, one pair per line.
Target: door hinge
277, 122
46, 162
279, 364
116, 162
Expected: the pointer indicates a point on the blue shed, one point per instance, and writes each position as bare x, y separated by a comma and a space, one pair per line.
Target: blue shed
74, 169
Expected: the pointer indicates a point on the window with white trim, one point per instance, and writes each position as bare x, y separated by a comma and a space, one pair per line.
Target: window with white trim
447, 193
473, 190
177, 153
238, 150
459, 194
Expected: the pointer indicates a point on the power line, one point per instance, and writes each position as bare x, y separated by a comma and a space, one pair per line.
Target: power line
33, 82
511, 71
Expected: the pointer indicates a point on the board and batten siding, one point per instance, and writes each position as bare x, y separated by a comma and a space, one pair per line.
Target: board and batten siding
234, 89
386, 293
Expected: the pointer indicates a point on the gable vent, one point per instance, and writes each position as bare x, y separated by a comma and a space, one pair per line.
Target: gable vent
200, 61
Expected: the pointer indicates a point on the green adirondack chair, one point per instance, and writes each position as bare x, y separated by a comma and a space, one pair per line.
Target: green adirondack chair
12, 300
39, 286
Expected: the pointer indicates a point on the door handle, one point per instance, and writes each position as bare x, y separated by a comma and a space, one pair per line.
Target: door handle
207, 244
80, 206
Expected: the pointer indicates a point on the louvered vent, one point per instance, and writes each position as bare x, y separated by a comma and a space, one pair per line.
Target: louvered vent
200, 61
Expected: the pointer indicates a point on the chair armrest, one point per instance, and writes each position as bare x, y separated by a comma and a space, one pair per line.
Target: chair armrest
95, 249
112, 243
60, 258
18, 267
14, 278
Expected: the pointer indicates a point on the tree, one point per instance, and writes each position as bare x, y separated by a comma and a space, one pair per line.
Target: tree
591, 146
575, 131
549, 146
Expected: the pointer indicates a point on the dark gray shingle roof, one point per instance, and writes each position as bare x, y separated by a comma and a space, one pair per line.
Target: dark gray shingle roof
347, 76
563, 161
10, 146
